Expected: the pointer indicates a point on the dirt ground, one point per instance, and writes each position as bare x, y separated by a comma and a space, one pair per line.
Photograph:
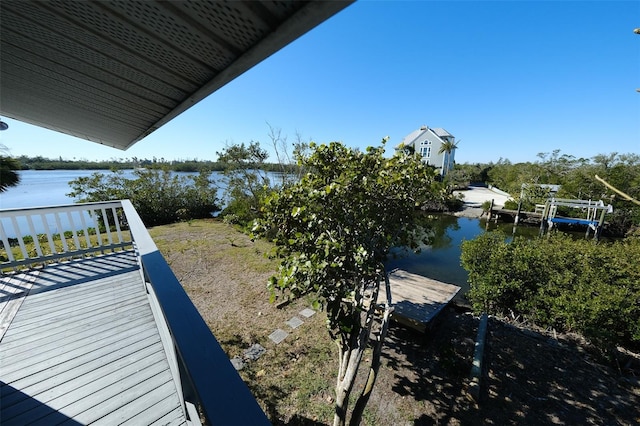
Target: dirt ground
530, 377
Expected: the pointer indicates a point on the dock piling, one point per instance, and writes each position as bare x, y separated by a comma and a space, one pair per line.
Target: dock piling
476, 367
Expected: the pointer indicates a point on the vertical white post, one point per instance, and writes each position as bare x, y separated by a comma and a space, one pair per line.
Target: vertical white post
34, 235
45, 223
107, 228
63, 238
98, 234
72, 225
5, 243
85, 229
117, 223
16, 228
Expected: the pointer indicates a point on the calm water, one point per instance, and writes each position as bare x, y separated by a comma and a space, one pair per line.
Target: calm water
41, 188
441, 259
48, 187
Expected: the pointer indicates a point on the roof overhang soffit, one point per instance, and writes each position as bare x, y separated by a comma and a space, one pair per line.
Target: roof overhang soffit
114, 71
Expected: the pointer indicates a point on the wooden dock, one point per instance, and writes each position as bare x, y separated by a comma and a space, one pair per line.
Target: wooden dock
417, 300
507, 215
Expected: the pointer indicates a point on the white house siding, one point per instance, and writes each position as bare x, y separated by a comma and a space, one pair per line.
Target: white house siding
420, 138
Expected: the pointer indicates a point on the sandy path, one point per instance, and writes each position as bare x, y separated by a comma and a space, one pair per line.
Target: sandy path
474, 196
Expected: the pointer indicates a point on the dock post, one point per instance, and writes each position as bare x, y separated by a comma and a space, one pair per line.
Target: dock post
598, 231
545, 213
517, 219
489, 216
476, 367
590, 217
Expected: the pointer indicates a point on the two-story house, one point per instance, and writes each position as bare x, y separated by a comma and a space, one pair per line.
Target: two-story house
428, 142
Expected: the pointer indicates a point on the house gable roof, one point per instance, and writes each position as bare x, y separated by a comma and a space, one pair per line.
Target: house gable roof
422, 134
412, 137
441, 133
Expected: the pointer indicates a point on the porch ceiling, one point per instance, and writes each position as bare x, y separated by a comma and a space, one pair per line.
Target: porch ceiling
114, 71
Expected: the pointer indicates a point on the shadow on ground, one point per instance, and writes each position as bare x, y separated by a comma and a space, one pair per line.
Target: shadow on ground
528, 378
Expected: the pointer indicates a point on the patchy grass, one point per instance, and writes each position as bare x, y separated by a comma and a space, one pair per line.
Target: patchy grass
529, 378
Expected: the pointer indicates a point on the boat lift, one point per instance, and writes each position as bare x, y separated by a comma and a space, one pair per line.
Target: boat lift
593, 219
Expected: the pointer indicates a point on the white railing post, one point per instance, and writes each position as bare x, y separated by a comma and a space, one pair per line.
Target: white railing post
34, 236
45, 223
65, 247
6, 245
115, 219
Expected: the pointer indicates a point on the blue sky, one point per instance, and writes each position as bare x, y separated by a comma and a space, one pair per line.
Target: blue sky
509, 79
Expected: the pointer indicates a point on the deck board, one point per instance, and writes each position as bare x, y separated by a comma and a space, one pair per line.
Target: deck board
81, 344
417, 300
13, 288
148, 414
60, 378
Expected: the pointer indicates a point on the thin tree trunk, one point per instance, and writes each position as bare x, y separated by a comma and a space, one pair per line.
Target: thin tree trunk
342, 399
616, 190
348, 372
342, 393
363, 399
345, 386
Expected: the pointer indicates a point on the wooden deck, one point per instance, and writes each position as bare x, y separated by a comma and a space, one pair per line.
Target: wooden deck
80, 342
417, 300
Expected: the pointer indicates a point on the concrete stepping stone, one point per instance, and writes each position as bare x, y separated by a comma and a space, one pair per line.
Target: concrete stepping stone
278, 336
237, 363
307, 313
295, 322
254, 352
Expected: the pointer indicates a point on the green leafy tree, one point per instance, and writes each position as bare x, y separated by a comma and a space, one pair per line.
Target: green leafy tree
9, 167
458, 178
8, 172
332, 231
159, 196
407, 149
246, 181
248, 178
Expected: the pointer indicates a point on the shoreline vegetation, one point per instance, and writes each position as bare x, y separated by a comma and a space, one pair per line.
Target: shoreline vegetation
193, 165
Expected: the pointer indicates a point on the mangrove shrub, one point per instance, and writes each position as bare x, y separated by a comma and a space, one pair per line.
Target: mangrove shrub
561, 283
159, 196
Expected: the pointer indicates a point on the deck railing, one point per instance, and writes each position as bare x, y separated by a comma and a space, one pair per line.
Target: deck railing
43, 234
207, 376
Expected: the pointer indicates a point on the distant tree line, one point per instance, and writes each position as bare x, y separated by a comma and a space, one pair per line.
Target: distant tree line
194, 165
